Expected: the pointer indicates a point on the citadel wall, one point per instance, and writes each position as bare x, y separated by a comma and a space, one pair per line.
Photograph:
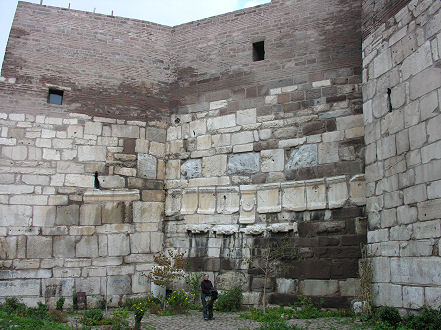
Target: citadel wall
402, 95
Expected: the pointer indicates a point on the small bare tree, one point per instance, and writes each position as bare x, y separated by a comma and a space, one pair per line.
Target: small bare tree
270, 259
169, 265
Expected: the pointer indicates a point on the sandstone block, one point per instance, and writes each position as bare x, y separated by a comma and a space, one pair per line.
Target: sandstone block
126, 131
245, 117
294, 196
64, 246
268, 199
315, 194
337, 191
227, 200
272, 160
92, 153
156, 242
189, 201
39, 247
67, 215
87, 246
146, 166
207, 201
44, 216
318, 287
148, 211
221, 122
173, 202
156, 134
15, 215
247, 204
118, 285
140, 242
214, 165
20, 288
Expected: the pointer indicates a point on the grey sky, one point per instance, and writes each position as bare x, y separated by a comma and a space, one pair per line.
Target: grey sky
168, 12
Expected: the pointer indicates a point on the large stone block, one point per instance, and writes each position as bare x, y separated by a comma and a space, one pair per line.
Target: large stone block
148, 211
191, 169
15, 215
294, 196
117, 285
304, 156
90, 214
424, 82
243, 164
140, 242
126, 131
315, 194
337, 192
272, 160
87, 247
140, 283
64, 246
118, 245
357, 187
328, 153
419, 271
268, 199
214, 165
19, 288
173, 202
147, 165
156, 242
227, 200
39, 247
113, 212
387, 294
189, 201
221, 122
68, 215
44, 216
318, 287
247, 204
92, 153
207, 201
90, 285
230, 280
432, 296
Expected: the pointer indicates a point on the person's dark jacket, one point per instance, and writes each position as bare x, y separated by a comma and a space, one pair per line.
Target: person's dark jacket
206, 285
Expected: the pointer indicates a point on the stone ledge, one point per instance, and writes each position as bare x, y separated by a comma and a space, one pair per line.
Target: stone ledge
96, 196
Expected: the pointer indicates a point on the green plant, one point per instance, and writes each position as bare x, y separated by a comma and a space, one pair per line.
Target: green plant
40, 312
101, 304
193, 281
179, 301
57, 316
230, 301
306, 309
94, 317
278, 325
427, 318
13, 305
119, 319
139, 310
60, 303
389, 315
75, 301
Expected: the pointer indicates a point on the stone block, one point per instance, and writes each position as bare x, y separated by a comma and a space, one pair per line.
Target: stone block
387, 294
318, 287
90, 214
207, 201
87, 247
90, 285
39, 247
112, 182
357, 187
242, 138
140, 283
29, 199
56, 287
203, 142
243, 164
92, 153
431, 152
429, 210
227, 200
118, 285
429, 106
328, 153
173, 202
67, 215
118, 245
432, 296
189, 201
148, 211
8, 247
214, 165
247, 205
221, 122
173, 168
252, 298
16, 152
418, 271
230, 280
44, 216
157, 149
288, 286
153, 195
112, 212
140, 242
18, 288
268, 199
245, 117
125, 131
64, 246
427, 229
191, 169
156, 134
424, 82
304, 156
147, 166
294, 196
337, 192
156, 242
198, 127
272, 160
417, 62
315, 194
93, 128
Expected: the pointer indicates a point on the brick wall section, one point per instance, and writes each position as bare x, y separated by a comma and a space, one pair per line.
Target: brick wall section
377, 12
110, 66
403, 148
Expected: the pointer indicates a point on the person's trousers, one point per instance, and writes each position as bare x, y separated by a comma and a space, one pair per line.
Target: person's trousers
207, 306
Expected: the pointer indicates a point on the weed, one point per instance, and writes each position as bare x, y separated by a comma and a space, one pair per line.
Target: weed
428, 318
231, 301
389, 315
119, 319
60, 303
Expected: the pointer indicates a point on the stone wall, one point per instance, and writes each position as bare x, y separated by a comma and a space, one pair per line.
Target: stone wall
402, 95
186, 125
59, 235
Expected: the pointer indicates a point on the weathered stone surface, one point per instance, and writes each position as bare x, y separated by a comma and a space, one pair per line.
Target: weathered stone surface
243, 164
87, 246
315, 194
173, 202
90, 214
118, 285
44, 216
147, 166
272, 160
39, 247
227, 200
268, 199
318, 287
20, 288
15, 215
247, 205
189, 201
148, 211
337, 191
64, 246
91, 153
140, 242
231, 280
304, 156
221, 122
207, 201
68, 215
214, 165
191, 169
118, 245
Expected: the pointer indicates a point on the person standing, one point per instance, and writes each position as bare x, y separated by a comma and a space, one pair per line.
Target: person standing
207, 299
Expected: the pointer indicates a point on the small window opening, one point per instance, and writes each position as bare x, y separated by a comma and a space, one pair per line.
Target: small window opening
55, 97
258, 51
96, 183
389, 100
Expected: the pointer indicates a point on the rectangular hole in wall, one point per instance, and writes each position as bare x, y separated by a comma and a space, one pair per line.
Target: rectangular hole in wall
55, 96
258, 51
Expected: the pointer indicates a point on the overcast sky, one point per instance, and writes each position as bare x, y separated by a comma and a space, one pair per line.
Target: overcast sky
168, 12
